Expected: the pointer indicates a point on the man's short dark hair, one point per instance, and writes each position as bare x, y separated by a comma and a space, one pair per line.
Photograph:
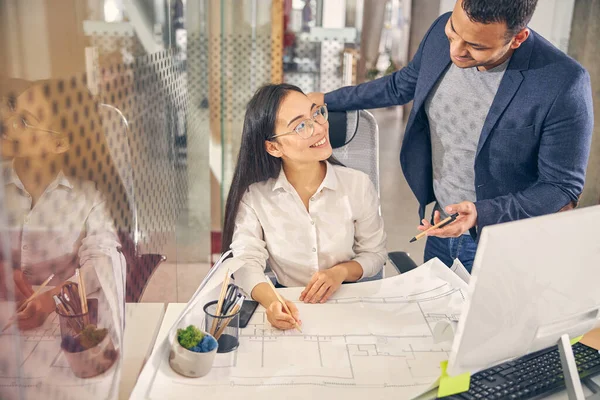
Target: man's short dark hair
515, 13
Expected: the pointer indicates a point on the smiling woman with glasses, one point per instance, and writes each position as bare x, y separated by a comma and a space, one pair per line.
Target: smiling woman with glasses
293, 205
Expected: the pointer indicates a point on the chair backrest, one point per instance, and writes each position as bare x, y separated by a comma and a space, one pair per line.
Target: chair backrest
117, 137
140, 267
354, 136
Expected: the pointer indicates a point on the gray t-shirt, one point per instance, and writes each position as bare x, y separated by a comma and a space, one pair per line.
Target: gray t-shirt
457, 108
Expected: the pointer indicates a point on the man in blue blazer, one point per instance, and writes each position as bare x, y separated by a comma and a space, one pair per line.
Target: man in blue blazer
501, 124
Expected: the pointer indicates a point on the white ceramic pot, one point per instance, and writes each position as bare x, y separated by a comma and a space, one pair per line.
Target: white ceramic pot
190, 363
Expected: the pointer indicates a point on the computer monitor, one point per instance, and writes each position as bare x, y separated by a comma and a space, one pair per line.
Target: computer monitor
533, 280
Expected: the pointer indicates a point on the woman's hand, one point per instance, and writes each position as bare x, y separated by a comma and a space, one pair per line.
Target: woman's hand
35, 312
323, 284
277, 316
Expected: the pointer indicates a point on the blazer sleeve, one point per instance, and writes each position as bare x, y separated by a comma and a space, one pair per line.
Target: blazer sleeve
395, 89
563, 154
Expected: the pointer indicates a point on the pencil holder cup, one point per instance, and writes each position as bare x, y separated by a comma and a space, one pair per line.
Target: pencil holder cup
89, 362
72, 325
190, 363
225, 328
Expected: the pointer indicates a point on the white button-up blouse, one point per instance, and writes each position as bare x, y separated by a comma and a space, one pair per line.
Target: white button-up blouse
343, 223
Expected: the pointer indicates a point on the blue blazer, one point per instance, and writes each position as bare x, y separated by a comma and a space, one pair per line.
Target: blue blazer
534, 146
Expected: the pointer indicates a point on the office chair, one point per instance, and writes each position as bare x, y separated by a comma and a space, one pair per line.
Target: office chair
140, 267
354, 136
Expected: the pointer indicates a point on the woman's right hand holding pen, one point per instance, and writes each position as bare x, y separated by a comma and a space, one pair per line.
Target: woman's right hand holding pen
276, 313
277, 316
37, 310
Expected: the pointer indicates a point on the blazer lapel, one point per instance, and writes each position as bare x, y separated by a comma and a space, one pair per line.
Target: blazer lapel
431, 75
508, 88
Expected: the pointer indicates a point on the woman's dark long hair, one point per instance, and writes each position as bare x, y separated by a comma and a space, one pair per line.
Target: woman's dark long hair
254, 163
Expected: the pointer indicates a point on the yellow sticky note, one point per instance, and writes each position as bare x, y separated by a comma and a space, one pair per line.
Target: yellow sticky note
575, 340
450, 385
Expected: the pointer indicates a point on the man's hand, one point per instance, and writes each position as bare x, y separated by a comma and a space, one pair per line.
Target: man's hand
277, 316
317, 98
467, 218
323, 284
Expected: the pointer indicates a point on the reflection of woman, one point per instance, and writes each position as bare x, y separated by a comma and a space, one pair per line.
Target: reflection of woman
57, 222
291, 203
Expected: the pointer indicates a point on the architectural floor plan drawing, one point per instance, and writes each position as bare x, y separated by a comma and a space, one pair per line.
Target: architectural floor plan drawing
373, 340
32, 365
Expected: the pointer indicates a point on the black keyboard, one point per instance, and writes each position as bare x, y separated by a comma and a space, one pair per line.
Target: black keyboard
533, 376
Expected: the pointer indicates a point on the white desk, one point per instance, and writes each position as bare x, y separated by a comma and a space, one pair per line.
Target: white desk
143, 321
174, 309
170, 316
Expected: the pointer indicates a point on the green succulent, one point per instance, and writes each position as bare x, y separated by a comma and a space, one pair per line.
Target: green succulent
92, 336
189, 337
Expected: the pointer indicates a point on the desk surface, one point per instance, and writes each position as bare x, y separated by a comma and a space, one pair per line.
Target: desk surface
143, 321
175, 309
169, 318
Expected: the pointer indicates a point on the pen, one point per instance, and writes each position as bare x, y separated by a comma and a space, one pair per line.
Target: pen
60, 306
222, 325
440, 224
285, 307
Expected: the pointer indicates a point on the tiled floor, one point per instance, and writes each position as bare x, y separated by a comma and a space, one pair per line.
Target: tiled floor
176, 282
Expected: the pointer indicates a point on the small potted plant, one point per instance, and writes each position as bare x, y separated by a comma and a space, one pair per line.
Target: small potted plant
193, 352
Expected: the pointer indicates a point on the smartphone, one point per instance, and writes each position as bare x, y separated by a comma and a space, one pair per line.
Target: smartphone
246, 312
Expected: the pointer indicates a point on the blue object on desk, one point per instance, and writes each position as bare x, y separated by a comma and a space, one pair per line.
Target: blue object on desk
207, 344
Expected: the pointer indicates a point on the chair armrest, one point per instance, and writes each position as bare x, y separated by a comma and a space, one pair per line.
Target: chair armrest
402, 261
139, 271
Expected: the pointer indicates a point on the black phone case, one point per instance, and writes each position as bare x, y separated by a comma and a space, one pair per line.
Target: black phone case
246, 312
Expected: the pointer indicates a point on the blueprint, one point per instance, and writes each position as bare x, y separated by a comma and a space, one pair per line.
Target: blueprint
32, 365
371, 339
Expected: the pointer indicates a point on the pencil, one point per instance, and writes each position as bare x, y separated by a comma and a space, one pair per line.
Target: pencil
220, 302
224, 324
440, 224
29, 299
82, 293
286, 308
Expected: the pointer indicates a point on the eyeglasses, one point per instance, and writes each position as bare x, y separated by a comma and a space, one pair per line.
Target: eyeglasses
20, 123
15, 120
306, 128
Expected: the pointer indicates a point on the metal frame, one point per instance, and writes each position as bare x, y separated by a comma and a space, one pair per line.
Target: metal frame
569, 367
